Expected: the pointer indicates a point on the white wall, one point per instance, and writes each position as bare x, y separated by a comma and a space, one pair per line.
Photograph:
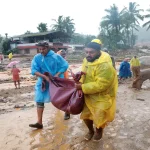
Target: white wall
33, 51
21, 51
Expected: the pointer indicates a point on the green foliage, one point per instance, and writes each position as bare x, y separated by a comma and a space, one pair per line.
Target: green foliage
147, 17
42, 27
117, 27
6, 46
82, 39
1, 43
64, 24
14, 51
28, 32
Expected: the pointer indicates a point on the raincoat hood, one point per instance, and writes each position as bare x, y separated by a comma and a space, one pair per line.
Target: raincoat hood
50, 53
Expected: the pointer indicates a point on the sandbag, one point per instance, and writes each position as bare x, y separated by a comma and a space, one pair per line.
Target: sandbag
64, 95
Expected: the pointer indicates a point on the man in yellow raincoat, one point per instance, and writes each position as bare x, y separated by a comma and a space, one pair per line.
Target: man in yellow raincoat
99, 86
135, 67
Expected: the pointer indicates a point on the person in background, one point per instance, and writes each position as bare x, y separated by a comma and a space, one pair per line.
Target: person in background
124, 70
15, 72
135, 67
1, 58
10, 56
46, 61
66, 76
99, 85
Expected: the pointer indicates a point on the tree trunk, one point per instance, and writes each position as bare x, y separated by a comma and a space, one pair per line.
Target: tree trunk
132, 39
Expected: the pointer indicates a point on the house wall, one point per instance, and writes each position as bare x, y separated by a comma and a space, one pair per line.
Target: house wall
21, 51
33, 51
29, 51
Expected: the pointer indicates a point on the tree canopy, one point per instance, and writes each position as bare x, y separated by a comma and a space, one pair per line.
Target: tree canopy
42, 27
117, 27
64, 24
147, 16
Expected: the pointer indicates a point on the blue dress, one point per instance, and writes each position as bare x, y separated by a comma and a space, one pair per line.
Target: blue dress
124, 71
52, 63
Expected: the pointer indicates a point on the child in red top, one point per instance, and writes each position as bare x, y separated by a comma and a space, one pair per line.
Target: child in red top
15, 72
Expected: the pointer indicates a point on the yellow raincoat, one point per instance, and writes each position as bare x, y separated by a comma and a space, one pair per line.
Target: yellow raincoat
100, 88
10, 56
134, 62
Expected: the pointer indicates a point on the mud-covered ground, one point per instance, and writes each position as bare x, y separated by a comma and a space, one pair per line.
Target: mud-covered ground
129, 131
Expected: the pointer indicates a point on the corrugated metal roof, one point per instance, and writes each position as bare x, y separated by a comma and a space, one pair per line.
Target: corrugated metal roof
40, 34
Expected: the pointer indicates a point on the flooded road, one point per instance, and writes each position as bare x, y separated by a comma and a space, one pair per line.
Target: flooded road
129, 131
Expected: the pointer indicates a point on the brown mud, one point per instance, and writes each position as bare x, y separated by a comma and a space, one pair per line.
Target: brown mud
129, 131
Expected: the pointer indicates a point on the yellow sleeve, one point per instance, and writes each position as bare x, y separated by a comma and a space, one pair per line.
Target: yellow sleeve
104, 77
83, 69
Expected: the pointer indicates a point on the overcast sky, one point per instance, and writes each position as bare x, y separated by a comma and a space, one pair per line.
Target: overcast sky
18, 16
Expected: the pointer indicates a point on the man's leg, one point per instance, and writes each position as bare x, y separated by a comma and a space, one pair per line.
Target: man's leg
133, 72
137, 72
40, 109
89, 124
40, 114
66, 116
98, 134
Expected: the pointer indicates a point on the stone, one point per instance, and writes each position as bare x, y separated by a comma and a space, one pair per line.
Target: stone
117, 111
51, 127
19, 106
3, 100
145, 61
120, 121
108, 133
148, 140
114, 134
112, 129
122, 137
30, 105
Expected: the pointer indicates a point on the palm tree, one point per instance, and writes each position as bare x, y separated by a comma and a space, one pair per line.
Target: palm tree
64, 24
69, 25
119, 26
28, 32
59, 24
6, 34
133, 17
148, 22
134, 12
42, 27
111, 24
128, 26
113, 18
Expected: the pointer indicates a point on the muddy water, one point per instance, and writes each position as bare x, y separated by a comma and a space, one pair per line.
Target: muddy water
56, 135
129, 131
16, 135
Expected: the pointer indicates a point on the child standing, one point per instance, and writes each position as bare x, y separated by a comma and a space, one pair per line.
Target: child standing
15, 72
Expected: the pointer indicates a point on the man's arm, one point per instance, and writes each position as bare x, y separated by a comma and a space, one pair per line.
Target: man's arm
103, 79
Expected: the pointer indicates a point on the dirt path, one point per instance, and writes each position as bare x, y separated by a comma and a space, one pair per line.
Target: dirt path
129, 131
